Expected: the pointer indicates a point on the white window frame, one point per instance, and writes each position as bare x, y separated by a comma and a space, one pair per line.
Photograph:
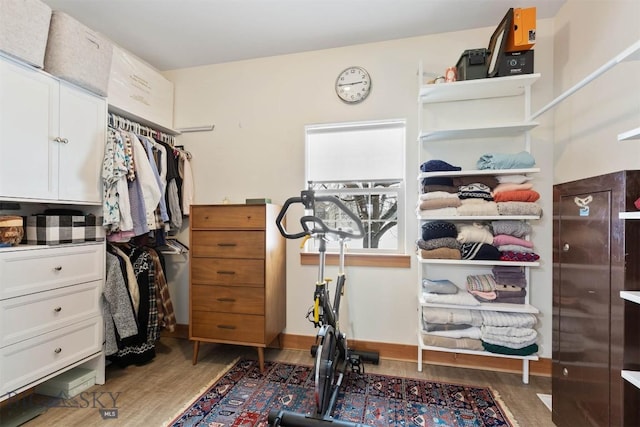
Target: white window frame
397, 175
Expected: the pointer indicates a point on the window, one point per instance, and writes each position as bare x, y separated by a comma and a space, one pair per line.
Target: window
363, 165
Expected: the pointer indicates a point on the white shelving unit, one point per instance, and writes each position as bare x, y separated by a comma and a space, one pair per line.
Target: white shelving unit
481, 89
632, 376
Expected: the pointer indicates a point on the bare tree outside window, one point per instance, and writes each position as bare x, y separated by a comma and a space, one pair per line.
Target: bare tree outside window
375, 203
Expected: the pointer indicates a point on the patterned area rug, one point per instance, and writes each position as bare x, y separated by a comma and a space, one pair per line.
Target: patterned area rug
243, 397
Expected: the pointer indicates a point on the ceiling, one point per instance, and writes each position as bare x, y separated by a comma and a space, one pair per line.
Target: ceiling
171, 34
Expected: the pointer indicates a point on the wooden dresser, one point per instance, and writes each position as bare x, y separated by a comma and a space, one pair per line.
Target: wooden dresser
237, 290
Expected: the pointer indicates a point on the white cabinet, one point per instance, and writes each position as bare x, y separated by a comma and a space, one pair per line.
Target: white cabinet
441, 130
52, 137
50, 313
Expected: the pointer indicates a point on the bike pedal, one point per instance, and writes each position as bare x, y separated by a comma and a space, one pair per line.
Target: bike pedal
355, 362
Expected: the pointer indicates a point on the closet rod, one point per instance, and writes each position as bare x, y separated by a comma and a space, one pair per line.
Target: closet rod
205, 128
126, 124
632, 53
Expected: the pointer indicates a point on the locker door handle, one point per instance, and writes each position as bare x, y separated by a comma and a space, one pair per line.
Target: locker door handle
565, 247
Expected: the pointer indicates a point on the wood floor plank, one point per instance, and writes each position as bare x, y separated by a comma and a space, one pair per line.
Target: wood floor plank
152, 394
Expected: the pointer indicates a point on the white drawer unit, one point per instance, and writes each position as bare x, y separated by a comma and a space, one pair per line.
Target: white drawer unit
35, 358
25, 272
50, 313
35, 314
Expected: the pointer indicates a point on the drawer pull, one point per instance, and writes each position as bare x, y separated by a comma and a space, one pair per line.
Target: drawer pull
227, 244
226, 327
58, 268
227, 299
57, 309
225, 272
57, 350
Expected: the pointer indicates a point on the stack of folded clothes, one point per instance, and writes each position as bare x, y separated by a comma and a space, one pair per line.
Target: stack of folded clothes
479, 252
476, 242
452, 328
509, 240
439, 241
501, 161
482, 287
488, 288
438, 183
476, 200
446, 292
509, 333
438, 203
511, 283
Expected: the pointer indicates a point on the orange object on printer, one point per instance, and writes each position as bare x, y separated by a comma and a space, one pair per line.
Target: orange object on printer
522, 35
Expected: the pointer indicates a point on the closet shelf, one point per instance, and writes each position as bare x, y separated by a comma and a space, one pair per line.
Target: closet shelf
477, 262
141, 120
477, 218
632, 376
476, 89
489, 172
498, 130
486, 306
629, 215
633, 296
476, 352
632, 134
632, 53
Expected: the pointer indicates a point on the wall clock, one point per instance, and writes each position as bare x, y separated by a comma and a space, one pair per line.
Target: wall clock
353, 85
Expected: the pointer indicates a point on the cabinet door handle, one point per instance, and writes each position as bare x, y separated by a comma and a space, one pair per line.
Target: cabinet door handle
226, 299
227, 244
225, 272
57, 309
57, 350
58, 268
61, 140
226, 327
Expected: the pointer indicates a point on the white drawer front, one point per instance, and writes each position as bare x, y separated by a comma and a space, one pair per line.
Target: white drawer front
25, 272
31, 315
27, 361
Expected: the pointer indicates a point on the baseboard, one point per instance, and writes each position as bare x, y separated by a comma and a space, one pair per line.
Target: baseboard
405, 352
180, 331
541, 367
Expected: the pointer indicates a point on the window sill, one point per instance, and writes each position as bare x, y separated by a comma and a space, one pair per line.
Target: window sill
360, 260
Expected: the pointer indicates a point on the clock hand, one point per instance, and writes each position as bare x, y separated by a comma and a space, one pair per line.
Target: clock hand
349, 84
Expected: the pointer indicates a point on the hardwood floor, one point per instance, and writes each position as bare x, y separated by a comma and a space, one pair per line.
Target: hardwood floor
151, 395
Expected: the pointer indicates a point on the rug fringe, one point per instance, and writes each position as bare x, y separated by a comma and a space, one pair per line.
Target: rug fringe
200, 393
498, 399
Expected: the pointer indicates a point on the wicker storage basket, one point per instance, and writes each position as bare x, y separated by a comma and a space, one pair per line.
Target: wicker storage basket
11, 230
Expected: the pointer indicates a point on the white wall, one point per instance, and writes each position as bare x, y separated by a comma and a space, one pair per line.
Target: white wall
588, 34
260, 108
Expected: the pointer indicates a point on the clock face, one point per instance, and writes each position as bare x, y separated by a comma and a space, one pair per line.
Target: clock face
353, 85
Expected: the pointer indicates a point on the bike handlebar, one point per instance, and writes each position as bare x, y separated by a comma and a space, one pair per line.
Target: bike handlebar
307, 199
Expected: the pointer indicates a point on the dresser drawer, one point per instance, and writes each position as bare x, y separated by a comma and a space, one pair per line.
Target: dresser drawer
228, 216
25, 272
227, 327
227, 299
228, 244
223, 271
31, 315
29, 360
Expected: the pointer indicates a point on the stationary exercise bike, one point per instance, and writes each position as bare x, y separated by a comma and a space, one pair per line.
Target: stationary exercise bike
331, 352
